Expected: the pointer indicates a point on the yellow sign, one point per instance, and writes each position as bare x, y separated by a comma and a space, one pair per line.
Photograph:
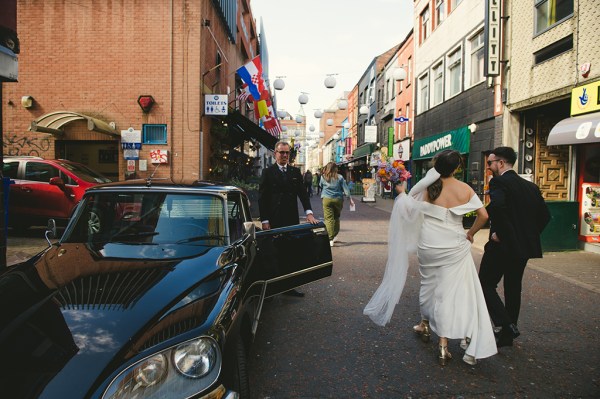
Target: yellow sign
585, 99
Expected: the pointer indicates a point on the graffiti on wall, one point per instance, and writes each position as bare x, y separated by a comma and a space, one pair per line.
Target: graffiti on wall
25, 146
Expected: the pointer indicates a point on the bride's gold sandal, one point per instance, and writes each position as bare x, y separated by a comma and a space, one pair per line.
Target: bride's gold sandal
423, 330
445, 355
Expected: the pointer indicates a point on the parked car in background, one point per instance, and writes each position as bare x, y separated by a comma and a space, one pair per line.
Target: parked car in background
45, 188
154, 290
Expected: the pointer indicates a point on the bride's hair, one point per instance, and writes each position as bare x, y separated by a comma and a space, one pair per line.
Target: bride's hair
445, 162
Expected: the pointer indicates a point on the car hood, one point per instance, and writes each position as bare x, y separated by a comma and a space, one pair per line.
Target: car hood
74, 315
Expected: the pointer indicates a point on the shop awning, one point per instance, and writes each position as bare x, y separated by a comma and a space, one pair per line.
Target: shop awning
364, 150
576, 130
247, 129
54, 122
458, 139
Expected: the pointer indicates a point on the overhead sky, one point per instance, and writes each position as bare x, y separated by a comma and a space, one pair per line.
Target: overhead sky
309, 39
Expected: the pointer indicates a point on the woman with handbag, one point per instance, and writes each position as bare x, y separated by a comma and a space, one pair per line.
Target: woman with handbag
334, 188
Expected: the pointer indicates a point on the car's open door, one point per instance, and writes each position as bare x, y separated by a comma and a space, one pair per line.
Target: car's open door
289, 257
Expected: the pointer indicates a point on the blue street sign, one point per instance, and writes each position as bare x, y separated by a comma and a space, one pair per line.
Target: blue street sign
401, 119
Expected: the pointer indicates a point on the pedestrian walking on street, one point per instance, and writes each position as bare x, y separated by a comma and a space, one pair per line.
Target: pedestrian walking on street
334, 188
318, 182
518, 215
308, 181
429, 220
280, 187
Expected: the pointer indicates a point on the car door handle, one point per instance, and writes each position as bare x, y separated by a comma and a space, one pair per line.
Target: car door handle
26, 189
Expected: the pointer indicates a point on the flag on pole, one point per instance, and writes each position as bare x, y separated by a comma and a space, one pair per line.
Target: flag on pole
251, 74
243, 96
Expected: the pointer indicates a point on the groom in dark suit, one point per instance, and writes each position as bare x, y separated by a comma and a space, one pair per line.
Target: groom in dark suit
518, 214
280, 187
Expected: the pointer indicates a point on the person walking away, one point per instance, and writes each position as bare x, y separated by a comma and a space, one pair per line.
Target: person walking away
334, 188
308, 180
518, 215
429, 221
280, 187
318, 182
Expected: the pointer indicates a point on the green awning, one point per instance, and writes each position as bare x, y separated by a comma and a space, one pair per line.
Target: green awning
458, 139
365, 149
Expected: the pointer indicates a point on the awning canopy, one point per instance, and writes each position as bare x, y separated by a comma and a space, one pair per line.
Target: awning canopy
246, 129
364, 150
54, 122
576, 130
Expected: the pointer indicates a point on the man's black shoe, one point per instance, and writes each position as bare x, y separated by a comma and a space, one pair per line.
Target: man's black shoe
504, 338
295, 293
515, 331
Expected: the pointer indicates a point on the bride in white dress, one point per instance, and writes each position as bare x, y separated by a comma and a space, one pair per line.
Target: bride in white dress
451, 299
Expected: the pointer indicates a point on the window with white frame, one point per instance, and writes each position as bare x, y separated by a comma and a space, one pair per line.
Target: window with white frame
454, 72
406, 133
425, 24
440, 11
424, 93
438, 83
454, 4
477, 53
550, 12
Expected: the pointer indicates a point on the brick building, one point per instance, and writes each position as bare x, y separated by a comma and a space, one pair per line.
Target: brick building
87, 70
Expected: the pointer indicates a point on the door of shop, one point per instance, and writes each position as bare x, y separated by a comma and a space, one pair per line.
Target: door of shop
101, 156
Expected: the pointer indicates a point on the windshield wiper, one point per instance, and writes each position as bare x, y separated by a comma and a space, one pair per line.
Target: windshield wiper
201, 238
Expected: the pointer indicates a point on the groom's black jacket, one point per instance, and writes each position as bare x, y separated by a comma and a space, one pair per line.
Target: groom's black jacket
518, 214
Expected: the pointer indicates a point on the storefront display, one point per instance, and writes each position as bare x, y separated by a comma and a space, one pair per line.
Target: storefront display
589, 226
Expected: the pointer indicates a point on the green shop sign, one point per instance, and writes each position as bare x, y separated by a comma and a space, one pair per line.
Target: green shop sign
458, 139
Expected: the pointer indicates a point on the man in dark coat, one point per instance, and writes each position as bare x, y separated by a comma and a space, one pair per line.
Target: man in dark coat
518, 214
280, 187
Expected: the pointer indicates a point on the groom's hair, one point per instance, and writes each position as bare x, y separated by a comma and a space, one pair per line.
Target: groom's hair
445, 162
506, 153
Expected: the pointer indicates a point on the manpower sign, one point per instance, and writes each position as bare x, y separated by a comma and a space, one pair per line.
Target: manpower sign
458, 140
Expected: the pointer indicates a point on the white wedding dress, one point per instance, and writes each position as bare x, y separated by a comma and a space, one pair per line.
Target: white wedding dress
451, 297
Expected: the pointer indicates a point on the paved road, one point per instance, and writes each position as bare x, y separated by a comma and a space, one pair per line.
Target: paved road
321, 346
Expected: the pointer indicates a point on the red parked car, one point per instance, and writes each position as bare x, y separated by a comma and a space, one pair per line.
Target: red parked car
45, 189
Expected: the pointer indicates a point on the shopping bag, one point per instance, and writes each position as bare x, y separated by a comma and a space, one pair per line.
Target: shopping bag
352, 207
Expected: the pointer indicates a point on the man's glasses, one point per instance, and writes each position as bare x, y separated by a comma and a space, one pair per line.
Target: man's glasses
489, 163
284, 152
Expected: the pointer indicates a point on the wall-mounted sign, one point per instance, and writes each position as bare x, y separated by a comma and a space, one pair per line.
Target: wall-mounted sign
131, 166
492, 37
131, 154
370, 134
131, 143
585, 99
159, 156
215, 104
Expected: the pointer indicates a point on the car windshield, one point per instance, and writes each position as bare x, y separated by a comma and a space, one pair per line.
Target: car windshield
85, 173
149, 219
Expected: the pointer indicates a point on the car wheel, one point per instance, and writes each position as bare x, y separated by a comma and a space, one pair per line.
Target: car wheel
94, 222
241, 383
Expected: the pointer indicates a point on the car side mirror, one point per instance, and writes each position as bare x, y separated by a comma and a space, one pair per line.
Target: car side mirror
59, 182
50, 231
250, 228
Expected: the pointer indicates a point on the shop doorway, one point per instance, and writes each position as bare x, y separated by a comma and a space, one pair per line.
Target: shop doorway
101, 156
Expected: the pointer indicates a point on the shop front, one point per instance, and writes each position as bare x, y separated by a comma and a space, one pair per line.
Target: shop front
581, 133
425, 149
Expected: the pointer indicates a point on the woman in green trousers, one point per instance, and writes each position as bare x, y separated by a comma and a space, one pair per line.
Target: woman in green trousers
334, 188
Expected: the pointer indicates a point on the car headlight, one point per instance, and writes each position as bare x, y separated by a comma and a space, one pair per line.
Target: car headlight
180, 371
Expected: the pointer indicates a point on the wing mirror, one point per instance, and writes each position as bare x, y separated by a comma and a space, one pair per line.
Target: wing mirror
250, 228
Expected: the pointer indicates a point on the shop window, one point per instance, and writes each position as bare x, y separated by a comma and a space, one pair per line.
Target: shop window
553, 50
551, 12
154, 134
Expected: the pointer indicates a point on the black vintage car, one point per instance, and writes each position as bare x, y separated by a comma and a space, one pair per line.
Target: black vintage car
154, 290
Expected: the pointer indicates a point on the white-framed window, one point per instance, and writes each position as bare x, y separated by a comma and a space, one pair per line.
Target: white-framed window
425, 24
406, 131
438, 83
424, 93
550, 12
477, 55
440, 11
454, 4
454, 63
